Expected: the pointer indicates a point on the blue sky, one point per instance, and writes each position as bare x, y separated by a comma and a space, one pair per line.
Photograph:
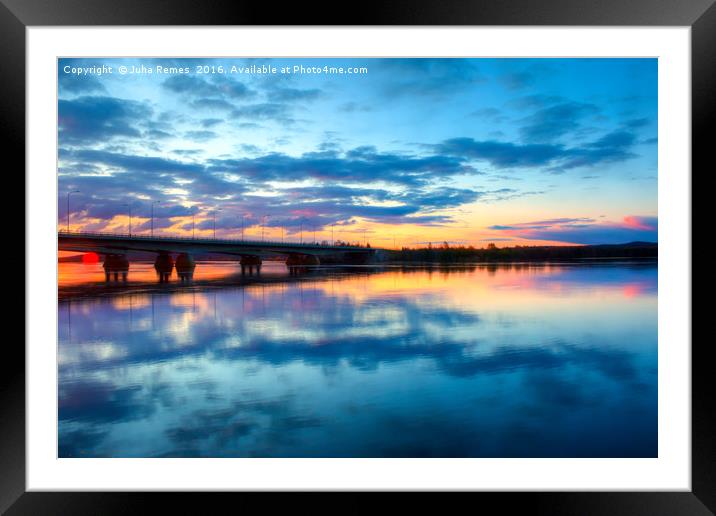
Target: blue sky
511, 151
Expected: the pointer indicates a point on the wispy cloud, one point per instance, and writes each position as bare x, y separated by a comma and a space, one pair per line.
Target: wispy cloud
584, 230
612, 147
88, 120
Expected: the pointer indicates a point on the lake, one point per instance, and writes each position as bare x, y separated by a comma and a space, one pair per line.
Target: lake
527, 360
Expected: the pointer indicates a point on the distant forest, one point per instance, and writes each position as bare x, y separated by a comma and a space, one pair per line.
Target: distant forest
460, 254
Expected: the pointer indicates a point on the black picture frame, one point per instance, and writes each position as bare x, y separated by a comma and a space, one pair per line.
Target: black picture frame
17, 15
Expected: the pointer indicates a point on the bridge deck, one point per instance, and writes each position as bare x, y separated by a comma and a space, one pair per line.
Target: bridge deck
106, 242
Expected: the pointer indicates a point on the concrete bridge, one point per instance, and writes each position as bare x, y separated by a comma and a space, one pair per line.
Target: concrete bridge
250, 253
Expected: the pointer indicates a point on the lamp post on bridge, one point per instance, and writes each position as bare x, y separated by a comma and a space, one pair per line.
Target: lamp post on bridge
68, 207
151, 230
215, 210
129, 207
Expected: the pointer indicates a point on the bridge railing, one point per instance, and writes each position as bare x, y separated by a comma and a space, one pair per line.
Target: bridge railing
208, 240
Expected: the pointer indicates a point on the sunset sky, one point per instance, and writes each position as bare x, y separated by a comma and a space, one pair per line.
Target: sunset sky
468, 151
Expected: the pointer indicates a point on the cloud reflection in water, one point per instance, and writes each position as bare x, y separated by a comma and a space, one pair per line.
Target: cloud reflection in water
492, 362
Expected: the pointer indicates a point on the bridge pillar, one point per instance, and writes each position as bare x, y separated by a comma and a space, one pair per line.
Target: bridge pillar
163, 265
185, 266
115, 265
249, 262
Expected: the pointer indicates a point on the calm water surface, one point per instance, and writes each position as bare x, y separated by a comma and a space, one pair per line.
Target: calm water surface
510, 361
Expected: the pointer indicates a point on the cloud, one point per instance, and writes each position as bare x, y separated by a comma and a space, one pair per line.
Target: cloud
227, 95
585, 230
90, 119
502, 154
637, 123
427, 77
322, 206
99, 200
534, 101
282, 94
641, 223
517, 80
221, 88
126, 176
264, 111
133, 163
212, 104
362, 165
157, 134
78, 84
612, 147
491, 114
187, 152
211, 122
550, 123
201, 136
362, 182
523, 78
354, 107
541, 224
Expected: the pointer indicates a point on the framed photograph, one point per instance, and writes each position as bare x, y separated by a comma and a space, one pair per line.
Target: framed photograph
444, 248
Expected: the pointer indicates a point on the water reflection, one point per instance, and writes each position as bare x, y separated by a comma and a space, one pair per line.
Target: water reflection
473, 361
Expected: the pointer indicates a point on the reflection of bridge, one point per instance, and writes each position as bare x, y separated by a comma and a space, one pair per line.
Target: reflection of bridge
114, 249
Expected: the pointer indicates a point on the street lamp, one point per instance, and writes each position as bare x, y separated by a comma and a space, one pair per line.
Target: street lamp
129, 206
68, 207
215, 210
152, 226
193, 224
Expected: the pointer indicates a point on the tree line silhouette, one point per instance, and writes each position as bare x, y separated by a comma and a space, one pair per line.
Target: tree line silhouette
445, 253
